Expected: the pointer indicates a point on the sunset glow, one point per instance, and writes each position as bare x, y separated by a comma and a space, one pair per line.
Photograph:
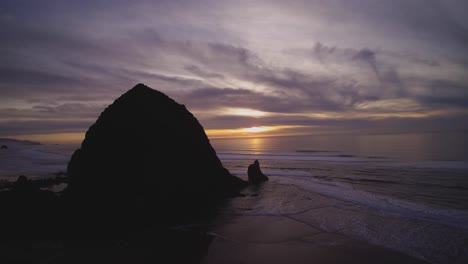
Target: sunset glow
256, 129
52, 137
242, 132
262, 131
244, 112
242, 68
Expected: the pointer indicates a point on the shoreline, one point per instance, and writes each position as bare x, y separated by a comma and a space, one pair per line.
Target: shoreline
279, 239
277, 223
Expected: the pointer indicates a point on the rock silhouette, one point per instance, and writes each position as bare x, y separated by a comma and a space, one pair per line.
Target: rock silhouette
256, 176
146, 157
22, 183
26, 210
4, 147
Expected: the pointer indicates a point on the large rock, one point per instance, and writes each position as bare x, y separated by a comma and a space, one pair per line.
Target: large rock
147, 154
255, 174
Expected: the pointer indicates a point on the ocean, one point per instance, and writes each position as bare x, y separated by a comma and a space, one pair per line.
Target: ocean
405, 192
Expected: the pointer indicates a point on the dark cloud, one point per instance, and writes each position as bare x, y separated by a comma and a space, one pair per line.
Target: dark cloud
65, 61
321, 51
365, 55
445, 94
60, 111
13, 128
369, 57
24, 78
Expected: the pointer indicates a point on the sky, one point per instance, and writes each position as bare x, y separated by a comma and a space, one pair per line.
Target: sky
243, 68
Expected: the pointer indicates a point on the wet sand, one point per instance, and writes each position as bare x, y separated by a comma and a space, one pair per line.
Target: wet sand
277, 223
279, 239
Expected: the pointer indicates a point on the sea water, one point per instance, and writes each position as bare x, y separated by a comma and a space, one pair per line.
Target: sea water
404, 192
33, 159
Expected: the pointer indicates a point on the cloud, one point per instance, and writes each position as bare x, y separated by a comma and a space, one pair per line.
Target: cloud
368, 56
64, 111
67, 60
30, 127
353, 125
202, 73
444, 93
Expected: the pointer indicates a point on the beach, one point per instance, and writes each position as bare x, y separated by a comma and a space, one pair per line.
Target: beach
305, 227
281, 239
322, 204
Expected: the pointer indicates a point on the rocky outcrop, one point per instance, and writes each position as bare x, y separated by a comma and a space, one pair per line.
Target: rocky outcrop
146, 155
256, 176
27, 210
22, 183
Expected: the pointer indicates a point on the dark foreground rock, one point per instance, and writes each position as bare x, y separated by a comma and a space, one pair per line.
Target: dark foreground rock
27, 211
146, 159
142, 188
256, 176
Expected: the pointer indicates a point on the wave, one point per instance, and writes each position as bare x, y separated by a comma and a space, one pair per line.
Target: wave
225, 156
384, 204
32, 159
338, 208
369, 180
315, 151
